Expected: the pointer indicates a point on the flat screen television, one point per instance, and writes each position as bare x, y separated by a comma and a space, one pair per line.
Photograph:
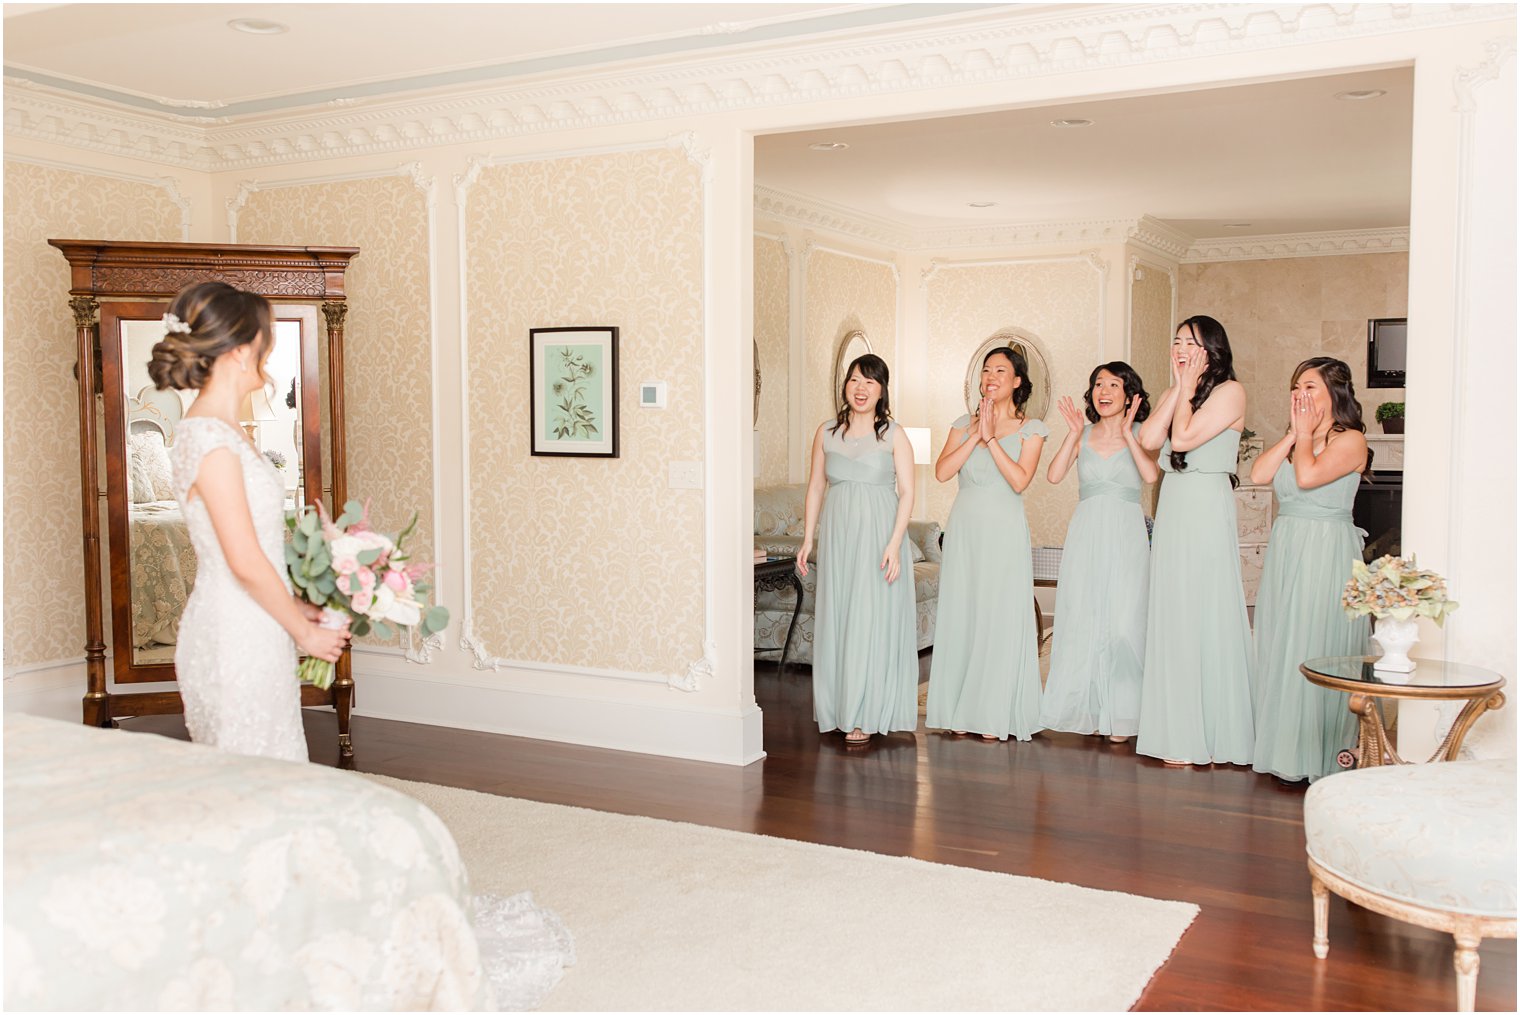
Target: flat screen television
1386, 347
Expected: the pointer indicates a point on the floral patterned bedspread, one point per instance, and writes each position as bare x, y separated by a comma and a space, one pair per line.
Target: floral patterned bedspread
163, 571
145, 873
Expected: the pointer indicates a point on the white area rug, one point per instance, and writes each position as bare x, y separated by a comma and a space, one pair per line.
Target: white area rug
673, 916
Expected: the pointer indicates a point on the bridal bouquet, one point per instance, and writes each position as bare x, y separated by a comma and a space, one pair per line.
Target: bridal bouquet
1392, 587
361, 578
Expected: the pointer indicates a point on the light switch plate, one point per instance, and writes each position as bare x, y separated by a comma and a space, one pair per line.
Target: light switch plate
651, 394
686, 475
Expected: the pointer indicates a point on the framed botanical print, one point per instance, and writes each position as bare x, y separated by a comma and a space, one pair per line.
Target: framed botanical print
573, 392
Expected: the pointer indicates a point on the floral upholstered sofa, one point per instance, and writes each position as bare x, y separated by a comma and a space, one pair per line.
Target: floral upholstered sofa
778, 531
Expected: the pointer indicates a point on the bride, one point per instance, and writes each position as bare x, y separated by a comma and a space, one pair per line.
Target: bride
236, 658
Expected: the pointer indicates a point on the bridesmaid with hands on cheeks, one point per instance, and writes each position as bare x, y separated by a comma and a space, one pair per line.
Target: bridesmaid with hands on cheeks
985, 673
1099, 647
1195, 698
865, 652
1314, 471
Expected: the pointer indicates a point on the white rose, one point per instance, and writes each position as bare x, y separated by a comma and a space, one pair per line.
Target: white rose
345, 546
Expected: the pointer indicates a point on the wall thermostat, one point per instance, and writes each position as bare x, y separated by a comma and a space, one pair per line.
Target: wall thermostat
652, 395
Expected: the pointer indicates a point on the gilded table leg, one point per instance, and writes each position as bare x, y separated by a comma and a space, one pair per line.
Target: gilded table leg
1321, 918
1374, 738
1466, 961
1471, 712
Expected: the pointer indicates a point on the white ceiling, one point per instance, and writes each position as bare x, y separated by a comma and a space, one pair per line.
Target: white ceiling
185, 57
1287, 157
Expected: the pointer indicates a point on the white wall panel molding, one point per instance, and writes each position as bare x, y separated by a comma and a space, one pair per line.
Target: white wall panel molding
169, 184
1002, 45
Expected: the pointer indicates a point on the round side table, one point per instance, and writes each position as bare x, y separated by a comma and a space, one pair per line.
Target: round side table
1431, 680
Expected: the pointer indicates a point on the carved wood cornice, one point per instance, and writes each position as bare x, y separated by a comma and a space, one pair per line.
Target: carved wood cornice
101, 268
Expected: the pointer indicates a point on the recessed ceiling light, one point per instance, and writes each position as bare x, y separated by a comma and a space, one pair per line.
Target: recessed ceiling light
828, 146
1071, 123
981, 204
257, 26
1238, 225
1361, 94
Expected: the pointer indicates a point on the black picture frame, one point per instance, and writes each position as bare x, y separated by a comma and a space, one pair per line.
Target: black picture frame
573, 392
1387, 344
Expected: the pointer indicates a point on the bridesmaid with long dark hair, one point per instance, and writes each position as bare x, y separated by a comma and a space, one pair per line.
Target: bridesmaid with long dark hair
865, 651
1315, 471
985, 674
1099, 644
1195, 699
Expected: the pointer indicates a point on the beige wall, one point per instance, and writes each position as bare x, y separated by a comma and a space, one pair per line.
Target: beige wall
1280, 312
773, 338
44, 583
1059, 302
583, 562
387, 355
841, 294
1151, 325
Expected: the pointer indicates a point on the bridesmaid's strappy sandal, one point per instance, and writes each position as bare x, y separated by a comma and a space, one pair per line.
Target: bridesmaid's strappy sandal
1118, 740
851, 738
1173, 763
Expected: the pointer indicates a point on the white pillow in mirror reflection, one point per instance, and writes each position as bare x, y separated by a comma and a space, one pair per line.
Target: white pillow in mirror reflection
149, 449
139, 482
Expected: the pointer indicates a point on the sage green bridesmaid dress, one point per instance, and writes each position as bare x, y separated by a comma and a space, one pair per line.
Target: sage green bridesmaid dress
1195, 698
985, 675
865, 644
1301, 727
1099, 645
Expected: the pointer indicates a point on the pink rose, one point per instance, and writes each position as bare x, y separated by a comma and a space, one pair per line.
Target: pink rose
366, 579
345, 565
396, 581
363, 600
344, 585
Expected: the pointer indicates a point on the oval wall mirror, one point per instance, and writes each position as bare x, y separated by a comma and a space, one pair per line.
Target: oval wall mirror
853, 344
1029, 347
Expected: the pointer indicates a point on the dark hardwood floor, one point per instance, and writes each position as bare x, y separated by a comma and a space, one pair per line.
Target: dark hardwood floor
1062, 807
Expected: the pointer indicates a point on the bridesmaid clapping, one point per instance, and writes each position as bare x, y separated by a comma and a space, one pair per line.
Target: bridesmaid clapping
985, 676
1195, 701
865, 654
1315, 471
1099, 645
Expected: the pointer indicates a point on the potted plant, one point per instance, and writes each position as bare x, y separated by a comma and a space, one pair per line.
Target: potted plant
1394, 591
1391, 415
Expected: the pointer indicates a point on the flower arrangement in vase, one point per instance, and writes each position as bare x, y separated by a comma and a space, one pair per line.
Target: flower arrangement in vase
1394, 591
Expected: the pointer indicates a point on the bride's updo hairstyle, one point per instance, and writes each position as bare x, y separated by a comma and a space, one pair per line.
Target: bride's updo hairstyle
205, 321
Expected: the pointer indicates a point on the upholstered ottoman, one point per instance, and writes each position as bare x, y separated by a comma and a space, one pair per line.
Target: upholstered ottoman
1433, 845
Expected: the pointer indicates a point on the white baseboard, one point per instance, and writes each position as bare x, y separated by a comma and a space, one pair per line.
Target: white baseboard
668, 731
56, 690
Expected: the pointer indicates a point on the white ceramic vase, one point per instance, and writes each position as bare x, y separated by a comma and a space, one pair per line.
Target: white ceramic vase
1395, 638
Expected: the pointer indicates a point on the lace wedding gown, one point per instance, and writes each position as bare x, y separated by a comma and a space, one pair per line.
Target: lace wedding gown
235, 664
236, 668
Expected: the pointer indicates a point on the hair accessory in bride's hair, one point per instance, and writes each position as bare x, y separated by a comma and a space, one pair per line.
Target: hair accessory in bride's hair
174, 326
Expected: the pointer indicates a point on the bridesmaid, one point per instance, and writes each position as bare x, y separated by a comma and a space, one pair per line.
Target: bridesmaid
985, 673
1315, 471
1195, 697
1099, 645
865, 650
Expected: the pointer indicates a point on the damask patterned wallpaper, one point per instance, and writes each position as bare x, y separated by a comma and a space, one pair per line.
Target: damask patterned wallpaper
387, 334
44, 604
1151, 328
1056, 301
1279, 313
842, 294
772, 335
587, 562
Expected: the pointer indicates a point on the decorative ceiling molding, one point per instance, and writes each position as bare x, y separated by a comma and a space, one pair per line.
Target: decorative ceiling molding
1003, 45
1325, 244
834, 218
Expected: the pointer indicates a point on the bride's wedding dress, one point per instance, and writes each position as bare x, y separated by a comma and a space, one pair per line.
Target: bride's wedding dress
236, 668
235, 664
